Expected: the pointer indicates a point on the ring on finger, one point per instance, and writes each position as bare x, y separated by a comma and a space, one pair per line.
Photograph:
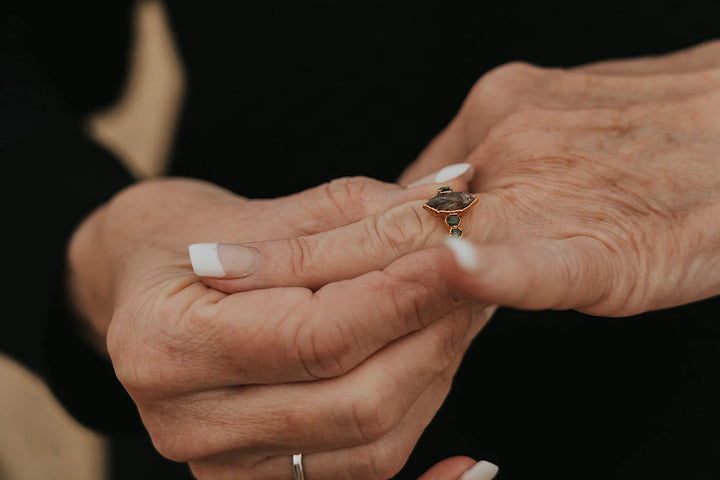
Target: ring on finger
452, 205
298, 467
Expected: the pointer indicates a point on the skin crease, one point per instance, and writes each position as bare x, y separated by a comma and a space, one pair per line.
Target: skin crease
600, 185
319, 362
598, 191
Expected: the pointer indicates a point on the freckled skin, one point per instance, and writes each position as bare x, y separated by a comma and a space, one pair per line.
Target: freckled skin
603, 177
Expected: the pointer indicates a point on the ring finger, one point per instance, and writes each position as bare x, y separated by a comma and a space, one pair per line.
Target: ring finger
381, 458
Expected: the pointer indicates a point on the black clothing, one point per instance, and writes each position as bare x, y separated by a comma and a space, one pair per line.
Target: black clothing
326, 89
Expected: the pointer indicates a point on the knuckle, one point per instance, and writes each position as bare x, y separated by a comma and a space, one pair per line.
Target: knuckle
398, 230
501, 82
517, 69
132, 367
323, 349
446, 343
149, 361
171, 437
135, 377
196, 326
171, 447
343, 199
204, 470
349, 195
300, 253
370, 416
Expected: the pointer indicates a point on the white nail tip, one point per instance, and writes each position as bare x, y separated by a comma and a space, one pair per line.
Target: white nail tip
205, 260
481, 471
453, 171
464, 252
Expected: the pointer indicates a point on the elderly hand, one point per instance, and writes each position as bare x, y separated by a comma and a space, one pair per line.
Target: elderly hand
599, 185
583, 176
346, 364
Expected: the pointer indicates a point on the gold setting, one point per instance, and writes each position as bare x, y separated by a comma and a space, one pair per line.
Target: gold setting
463, 201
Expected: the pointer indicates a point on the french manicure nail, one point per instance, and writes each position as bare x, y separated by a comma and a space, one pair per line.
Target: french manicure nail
465, 254
482, 470
450, 172
464, 170
224, 260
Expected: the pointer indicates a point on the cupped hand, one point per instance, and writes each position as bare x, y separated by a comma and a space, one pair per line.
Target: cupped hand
348, 372
599, 186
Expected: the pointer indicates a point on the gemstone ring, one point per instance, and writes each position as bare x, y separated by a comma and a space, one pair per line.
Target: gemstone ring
451, 204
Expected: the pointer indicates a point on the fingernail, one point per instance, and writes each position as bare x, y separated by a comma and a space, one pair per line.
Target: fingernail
450, 172
464, 170
481, 471
465, 254
223, 260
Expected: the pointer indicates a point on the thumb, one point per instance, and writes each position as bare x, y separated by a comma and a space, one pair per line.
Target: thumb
461, 468
575, 273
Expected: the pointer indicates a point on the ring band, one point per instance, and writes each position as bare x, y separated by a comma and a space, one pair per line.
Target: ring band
452, 205
298, 467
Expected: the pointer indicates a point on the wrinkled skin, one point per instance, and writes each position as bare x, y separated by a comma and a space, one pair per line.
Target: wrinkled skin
599, 185
598, 191
345, 358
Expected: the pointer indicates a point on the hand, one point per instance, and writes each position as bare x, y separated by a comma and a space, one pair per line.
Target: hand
600, 185
348, 374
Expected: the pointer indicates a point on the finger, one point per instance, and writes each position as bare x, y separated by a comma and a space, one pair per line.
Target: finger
482, 470
386, 456
461, 468
321, 209
381, 458
577, 273
330, 205
346, 252
291, 334
449, 469
340, 202
354, 409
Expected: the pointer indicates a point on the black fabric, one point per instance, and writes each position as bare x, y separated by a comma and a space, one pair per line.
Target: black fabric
56, 177
309, 91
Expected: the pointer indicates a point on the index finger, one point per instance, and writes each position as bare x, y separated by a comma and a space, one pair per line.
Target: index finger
366, 245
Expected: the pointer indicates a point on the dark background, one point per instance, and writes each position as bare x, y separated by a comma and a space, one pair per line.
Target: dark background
322, 89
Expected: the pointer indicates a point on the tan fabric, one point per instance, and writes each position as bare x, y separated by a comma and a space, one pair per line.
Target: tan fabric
139, 128
38, 439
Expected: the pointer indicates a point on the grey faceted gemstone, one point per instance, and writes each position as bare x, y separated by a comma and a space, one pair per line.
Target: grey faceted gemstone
450, 202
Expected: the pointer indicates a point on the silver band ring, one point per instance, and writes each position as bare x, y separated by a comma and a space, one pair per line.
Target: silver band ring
297, 467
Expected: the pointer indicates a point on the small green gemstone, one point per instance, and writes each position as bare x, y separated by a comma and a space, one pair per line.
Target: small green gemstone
444, 189
455, 232
453, 220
